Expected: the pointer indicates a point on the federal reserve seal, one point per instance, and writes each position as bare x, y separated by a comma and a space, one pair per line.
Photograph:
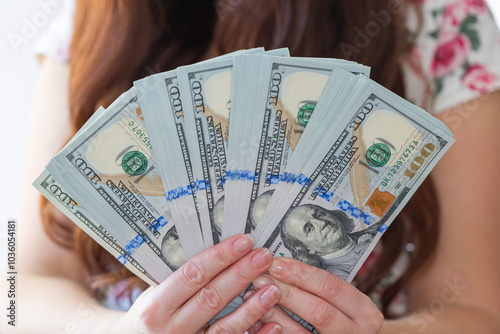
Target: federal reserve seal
305, 113
378, 155
134, 163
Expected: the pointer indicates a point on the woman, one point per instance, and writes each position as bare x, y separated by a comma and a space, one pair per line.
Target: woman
444, 61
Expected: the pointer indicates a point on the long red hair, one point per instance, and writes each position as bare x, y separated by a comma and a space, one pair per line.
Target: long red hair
118, 41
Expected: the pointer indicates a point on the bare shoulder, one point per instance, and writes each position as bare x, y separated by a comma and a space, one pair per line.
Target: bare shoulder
49, 129
467, 184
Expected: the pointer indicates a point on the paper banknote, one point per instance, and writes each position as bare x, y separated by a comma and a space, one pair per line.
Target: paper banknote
165, 106
357, 178
109, 166
86, 220
284, 93
206, 88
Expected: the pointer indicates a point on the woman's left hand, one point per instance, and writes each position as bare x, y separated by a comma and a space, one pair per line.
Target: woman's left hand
322, 299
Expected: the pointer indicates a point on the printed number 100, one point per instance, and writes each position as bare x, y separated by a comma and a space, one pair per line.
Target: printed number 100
419, 160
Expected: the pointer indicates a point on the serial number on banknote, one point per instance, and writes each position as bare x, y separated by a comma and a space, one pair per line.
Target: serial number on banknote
141, 134
416, 164
395, 169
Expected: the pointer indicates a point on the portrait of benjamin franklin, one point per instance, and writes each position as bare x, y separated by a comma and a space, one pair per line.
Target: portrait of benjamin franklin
324, 238
171, 250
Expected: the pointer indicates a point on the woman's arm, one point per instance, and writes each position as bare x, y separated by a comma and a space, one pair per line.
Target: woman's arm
51, 294
460, 292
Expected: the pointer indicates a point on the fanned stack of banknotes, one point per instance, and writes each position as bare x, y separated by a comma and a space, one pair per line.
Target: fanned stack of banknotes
309, 155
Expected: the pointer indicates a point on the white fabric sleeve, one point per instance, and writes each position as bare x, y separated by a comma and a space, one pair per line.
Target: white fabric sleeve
56, 39
456, 57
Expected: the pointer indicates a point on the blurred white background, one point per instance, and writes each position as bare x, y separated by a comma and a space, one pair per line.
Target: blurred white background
19, 74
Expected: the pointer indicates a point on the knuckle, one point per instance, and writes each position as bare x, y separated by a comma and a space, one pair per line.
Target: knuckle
286, 293
253, 312
220, 257
170, 329
148, 322
374, 319
221, 328
297, 272
273, 314
192, 273
378, 321
145, 320
241, 273
209, 299
332, 286
322, 315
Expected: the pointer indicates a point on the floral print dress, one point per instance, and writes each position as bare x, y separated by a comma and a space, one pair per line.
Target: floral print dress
455, 59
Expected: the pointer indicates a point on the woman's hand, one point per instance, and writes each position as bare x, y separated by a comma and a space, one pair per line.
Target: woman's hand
322, 299
201, 288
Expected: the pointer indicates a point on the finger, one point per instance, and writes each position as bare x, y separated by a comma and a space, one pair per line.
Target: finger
316, 311
259, 324
342, 295
226, 286
249, 313
276, 315
271, 329
202, 329
248, 294
199, 270
255, 327
289, 325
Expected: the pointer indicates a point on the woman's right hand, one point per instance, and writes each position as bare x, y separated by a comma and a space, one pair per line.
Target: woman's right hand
189, 298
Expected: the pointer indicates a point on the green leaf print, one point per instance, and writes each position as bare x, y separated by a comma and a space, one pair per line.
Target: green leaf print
469, 20
467, 27
473, 36
438, 86
434, 34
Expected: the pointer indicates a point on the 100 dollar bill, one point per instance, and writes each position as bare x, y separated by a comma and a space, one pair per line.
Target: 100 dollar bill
64, 201
163, 106
207, 91
357, 178
110, 167
288, 91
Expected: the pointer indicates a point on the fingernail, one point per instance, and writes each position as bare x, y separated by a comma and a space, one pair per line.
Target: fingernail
248, 294
243, 243
278, 267
277, 329
271, 296
262, 258
262, 281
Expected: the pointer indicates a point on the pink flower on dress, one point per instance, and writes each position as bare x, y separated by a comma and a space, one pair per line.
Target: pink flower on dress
478, 79
478, 7
454, 14
450, 54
